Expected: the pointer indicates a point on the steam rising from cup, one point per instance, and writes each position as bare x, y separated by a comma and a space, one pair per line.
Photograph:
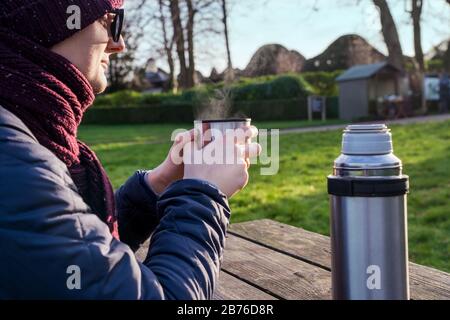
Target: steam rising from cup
207, 129
219, 106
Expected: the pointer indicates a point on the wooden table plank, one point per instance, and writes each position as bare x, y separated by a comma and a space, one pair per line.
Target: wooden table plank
281, 275
231, 288
425, 282
301, 244
228, 287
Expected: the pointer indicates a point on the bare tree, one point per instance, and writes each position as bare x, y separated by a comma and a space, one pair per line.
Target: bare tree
190, 42
178, 36
168, 45
230, 72
390, 34
418, 71
416, 14
388, 29
121, 66
185, 23
177, 31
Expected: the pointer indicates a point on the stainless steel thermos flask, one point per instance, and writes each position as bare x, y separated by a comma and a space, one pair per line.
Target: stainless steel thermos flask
368, 217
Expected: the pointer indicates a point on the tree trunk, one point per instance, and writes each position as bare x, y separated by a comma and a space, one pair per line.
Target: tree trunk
390, 34
230, 73
168, 48
179, 40
190, 41
416, 14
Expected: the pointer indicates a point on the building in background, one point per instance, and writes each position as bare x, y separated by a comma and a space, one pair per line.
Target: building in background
156, 79
364, 89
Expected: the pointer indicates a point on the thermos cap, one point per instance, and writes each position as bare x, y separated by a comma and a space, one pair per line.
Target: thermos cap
367, 139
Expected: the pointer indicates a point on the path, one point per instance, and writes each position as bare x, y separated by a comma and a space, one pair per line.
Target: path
423, 119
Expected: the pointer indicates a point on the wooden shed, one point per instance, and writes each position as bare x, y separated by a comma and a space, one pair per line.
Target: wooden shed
361, 86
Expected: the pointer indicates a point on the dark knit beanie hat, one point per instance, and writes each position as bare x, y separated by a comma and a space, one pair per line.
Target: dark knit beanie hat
46, 21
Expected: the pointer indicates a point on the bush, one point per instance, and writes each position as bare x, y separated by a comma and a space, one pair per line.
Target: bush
282, 87
272, 110
264, 110
323, 83
435, 65
246, 89
124, 98
332, 107
150, 99
135, 115
263, 99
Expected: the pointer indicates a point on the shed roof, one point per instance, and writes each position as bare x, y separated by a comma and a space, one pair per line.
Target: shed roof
363, 71
157, 77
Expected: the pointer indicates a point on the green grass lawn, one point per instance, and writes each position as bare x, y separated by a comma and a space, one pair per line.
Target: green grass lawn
297, 194
153, 133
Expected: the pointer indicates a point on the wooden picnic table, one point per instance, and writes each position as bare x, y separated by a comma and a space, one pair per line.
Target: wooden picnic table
266, 260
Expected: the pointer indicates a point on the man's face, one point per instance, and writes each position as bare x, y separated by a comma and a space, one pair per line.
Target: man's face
89, 50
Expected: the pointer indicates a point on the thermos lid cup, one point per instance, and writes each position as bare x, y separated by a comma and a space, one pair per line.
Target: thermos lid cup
246, 120
367, 139
207, 129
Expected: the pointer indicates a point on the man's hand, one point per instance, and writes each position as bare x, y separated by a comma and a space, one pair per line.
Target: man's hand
169, 171
229, 176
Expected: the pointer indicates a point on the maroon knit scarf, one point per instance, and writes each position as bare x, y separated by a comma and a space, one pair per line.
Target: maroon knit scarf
50, 95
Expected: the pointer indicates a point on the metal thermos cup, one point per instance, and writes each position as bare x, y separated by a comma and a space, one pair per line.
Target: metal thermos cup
208, 128
368, 217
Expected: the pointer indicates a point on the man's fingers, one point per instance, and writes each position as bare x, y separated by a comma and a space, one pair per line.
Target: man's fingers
185, 137
181, 140
244, 135
252, 150
247, 161
252, 132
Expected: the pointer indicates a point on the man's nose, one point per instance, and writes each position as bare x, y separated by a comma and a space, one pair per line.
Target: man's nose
116, 47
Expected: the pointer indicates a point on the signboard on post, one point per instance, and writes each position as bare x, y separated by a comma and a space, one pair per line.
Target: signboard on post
431, 88
317, 104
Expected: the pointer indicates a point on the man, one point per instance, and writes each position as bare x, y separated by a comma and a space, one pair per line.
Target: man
444, 92
60, 222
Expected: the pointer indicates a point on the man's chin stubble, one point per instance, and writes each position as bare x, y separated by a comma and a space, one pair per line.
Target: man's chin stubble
99, 86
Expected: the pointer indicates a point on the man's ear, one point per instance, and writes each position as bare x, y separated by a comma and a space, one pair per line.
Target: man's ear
103, 20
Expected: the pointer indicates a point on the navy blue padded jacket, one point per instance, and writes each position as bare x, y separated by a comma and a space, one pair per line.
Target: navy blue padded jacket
53, 246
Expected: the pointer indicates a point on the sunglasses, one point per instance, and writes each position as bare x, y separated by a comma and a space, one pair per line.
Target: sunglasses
117, 24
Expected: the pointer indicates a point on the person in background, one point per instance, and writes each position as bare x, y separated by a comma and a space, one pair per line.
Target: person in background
444, 92
406, 106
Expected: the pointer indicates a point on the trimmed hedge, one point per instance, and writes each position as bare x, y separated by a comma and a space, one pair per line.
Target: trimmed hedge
275, 87
136, 115
323, 83
119, 99
332, 107
283, 87
264, 110
268, 110
258, 110
269, 98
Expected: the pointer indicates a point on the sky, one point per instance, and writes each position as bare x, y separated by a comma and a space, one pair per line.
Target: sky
295, 25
